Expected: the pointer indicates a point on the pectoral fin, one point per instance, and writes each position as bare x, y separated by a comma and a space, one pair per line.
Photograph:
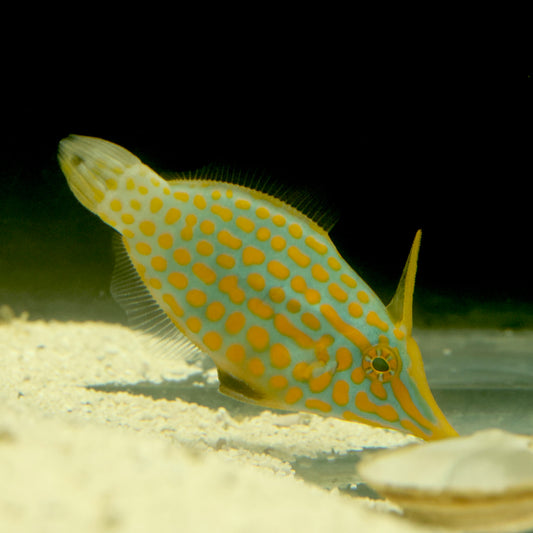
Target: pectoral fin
400, 308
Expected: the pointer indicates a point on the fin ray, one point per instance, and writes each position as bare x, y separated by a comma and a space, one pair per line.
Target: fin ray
143, 312
305, 202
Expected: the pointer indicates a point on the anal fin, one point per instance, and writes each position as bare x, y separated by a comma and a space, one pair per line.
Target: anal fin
143, 312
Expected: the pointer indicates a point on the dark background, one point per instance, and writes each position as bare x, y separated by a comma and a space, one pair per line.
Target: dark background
386, 161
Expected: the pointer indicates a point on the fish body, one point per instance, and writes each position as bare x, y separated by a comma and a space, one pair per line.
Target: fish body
261, 288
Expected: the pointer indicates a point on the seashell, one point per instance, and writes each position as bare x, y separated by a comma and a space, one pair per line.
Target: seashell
482, 482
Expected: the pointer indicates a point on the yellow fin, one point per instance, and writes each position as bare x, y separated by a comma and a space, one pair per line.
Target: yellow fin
400, 308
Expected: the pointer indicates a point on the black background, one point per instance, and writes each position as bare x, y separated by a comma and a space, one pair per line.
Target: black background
387, 159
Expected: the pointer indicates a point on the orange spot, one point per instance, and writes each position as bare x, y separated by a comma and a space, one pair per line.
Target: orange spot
225, 261
159, 263
276, 294
135, 204
278, 220
315, 245
337, 293
223, 212
355, 310
333, 263
186, 233
279, 356
183, 196
236, 353
204, 273
242, 204
349, 281
278, 243
312, 296
143, 190
143, 248
378, 390
155, 283
235, 322
245, 224
293, 306
155, 182
319, 273
147, 227
260, 309
196, 297
294, 394
278, 382
215, 311
278, 269
311, 321
178, 280
258, 338
302, 371
128, 233
165, 241
320, 383
204, 248
298, 284
398, 333
344, 359
182, 256
199, 201
111, 183
194, 324
298, 256
364, 404
262, 212
173, 304
130, 184
372, 319
263, 234
363, 297
213, 340
156, 204
295, 230
321, 348
228, 285
116, 205
207, 227
341, 392
127, 219
256, 281
348, 331
216, 195
287, 328
172, 216
252, 256
227, 239
256, 366
320, 405
358, 375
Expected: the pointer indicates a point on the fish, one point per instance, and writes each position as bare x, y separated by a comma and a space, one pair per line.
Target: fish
234, 272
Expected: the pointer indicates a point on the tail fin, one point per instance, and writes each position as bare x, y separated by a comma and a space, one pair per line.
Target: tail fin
92, 167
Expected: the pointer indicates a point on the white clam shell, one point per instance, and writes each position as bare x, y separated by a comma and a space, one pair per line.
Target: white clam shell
483, 482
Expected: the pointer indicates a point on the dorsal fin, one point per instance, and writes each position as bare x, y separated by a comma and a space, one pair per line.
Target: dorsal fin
143, 312
304, 201
400, 308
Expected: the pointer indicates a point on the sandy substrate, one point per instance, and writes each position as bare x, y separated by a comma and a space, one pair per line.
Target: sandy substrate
74, 458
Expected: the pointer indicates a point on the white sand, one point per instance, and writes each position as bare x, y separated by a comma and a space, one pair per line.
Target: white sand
77, 459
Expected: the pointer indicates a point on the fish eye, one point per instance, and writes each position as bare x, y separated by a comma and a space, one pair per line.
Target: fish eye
380, 365
381, 362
